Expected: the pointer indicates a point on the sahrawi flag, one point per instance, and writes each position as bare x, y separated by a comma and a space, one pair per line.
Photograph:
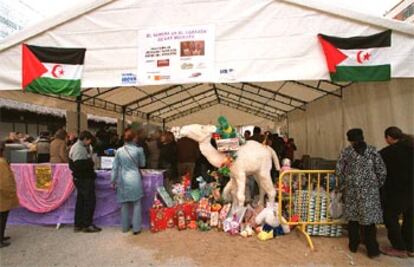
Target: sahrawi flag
52, 70
361, 58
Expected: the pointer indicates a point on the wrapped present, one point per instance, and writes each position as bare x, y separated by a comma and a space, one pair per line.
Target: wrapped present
224, 212
165, 197
161, 218
195, 194
231, 225
157, 204
203, 209
189, 209
214, 219
181, 223
178, 192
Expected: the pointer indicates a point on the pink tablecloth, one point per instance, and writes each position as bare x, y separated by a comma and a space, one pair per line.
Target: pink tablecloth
107, 210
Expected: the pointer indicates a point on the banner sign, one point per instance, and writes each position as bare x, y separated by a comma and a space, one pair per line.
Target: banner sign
43, 177
176, 55
128, 78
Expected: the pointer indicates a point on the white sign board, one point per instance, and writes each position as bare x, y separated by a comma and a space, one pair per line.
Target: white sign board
176, 55
106, 163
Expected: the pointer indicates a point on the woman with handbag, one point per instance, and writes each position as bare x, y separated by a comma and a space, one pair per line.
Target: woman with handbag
126, 179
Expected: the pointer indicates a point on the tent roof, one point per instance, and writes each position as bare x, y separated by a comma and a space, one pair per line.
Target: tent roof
89, 6
261, 89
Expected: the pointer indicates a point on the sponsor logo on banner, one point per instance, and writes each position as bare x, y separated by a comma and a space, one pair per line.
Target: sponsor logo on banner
226, 71
161, 77
187, 66
129, 78
195, 74
227, 74
163, 63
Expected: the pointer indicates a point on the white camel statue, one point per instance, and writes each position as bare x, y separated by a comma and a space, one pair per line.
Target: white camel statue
253, 158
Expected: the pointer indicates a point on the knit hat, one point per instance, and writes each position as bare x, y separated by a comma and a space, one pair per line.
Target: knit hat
355, 135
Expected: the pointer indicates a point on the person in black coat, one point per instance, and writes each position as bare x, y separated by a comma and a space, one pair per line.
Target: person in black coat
397, 192
82, 167
168, 158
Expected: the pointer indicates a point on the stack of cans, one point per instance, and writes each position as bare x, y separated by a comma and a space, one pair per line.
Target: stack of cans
317, 211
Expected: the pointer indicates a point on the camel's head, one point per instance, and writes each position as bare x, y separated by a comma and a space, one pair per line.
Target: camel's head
198, 132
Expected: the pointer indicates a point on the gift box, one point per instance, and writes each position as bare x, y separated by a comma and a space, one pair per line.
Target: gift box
214, 220
224, 212
204, 209
160, 218
230, 144
189, 209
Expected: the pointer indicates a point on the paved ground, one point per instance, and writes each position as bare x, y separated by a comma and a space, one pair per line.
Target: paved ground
44, 246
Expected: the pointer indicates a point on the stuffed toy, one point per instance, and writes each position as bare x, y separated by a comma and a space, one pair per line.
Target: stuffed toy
267, 216
246, 230
224, 129
272, 227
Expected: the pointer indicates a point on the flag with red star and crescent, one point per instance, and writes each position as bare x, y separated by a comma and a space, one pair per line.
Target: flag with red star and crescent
52, 70
360, 58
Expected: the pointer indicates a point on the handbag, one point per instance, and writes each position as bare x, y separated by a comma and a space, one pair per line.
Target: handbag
336, 206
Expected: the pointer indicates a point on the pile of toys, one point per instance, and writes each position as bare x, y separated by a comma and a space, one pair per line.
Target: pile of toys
204, 209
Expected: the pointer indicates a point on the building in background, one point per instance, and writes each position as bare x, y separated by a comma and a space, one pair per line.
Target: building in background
15, 15
403, 11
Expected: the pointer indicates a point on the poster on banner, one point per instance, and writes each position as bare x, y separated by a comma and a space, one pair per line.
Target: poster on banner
176, 55
43, 177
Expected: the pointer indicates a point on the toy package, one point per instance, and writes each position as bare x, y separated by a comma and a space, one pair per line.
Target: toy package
181, 222
204, 209
224, 212
161, 218
214, 219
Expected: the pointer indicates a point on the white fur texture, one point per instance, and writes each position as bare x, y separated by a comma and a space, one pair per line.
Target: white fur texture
253, 158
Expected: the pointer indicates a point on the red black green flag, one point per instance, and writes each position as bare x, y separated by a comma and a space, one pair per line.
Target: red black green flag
52, 70
360, 58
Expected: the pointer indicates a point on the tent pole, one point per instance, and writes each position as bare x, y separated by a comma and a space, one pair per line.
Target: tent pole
78, 111
163, 124
123, 118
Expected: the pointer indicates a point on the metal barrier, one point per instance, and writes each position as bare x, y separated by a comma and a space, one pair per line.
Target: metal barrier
304, 198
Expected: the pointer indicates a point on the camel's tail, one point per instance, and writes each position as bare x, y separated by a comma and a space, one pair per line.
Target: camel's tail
274, 158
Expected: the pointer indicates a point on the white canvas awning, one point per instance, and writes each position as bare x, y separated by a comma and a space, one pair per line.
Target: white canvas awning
271, 45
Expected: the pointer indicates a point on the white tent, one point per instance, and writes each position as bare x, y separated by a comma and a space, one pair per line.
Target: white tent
278, 67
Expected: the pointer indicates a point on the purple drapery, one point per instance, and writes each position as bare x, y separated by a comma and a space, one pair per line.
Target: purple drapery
107, 209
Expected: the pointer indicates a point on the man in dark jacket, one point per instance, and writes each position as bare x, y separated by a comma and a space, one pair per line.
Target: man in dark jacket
397, 192
82, 166
187, 155
257, 135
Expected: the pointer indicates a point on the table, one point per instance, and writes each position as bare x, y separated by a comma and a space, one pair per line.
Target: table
107, 210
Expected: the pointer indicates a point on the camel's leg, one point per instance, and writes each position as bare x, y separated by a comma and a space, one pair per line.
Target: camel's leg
228, 191
262, 193
240, 180
267, 186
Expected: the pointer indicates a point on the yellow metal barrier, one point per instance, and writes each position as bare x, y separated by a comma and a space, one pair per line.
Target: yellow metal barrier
304, 198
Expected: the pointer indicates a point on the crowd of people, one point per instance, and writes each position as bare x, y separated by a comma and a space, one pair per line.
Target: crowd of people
377, 185
378, 188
